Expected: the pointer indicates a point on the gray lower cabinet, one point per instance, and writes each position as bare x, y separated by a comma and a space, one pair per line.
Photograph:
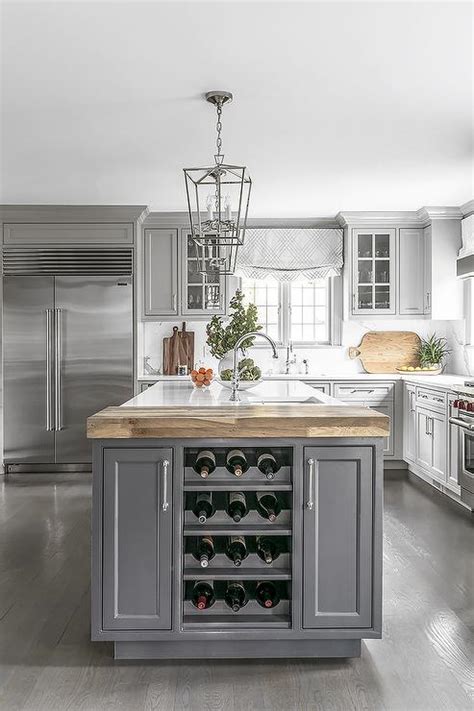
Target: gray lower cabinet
431, 450
338, 537
409, 423
137, 539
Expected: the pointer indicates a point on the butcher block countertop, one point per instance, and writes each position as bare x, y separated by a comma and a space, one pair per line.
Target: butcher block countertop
286, 409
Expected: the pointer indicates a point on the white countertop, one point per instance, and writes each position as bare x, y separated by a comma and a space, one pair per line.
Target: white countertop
183, 393
444, 381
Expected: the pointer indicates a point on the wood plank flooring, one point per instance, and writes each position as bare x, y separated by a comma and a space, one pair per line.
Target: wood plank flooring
47, 663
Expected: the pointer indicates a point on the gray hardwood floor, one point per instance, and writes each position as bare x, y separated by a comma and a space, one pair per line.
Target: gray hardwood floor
47, 662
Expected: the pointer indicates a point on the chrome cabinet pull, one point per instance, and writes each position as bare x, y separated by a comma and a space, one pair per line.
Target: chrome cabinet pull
49, 370
57, 371
310, 502
175, 302
165, 504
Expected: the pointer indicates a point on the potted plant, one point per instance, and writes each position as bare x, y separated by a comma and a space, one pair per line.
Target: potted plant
222, 339
432, 353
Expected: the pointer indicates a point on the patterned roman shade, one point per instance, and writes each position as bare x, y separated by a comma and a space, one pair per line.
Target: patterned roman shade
287, 253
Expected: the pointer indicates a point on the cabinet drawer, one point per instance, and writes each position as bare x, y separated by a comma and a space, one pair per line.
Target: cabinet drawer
431, 398
363, 391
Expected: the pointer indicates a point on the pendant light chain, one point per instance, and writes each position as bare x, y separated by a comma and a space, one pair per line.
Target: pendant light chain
219, 127
217, 194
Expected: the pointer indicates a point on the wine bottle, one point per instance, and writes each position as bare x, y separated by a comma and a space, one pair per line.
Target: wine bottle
266, 594
205, 463
236, 462
268, 505
237, 506
203, 508
267, 549
235, 596
203, 595
268, 465
236, 549
205, 551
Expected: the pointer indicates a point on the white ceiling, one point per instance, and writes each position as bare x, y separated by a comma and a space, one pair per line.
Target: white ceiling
338, 106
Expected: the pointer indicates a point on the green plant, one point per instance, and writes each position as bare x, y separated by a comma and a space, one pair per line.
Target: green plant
247, 370
222, 339
433, 350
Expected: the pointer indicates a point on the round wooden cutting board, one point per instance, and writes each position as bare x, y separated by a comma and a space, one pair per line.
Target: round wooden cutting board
385, 351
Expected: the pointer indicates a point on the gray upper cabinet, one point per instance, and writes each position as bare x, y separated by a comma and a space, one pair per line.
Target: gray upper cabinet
373, 271
160, 270
338, 537
137, 539
202, 294
411, 291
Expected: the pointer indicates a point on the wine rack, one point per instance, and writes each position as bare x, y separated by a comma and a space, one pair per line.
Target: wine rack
221, 570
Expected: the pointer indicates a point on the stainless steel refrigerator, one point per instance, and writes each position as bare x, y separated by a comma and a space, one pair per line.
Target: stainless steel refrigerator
67, 353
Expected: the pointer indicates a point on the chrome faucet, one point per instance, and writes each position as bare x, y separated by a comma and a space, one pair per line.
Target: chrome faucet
290, 358
235, 397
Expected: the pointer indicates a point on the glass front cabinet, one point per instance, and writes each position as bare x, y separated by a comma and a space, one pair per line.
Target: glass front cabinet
373, 271
202, 294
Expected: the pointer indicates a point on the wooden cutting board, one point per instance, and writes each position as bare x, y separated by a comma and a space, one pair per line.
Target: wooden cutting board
178, 350
385, 351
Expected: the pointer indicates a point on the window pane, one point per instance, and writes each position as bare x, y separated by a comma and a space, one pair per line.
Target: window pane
265, 294
309, 311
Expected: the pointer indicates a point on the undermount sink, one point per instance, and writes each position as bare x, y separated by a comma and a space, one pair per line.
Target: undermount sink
291, 401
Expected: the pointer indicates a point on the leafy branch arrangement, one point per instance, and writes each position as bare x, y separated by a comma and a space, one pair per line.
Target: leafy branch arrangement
433, 350
222, 339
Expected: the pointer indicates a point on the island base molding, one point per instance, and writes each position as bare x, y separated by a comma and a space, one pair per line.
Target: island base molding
239, 649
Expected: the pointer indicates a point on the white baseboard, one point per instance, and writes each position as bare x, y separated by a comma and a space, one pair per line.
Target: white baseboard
394, 464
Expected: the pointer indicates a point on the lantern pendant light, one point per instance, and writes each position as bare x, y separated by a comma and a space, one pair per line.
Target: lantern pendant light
218, 201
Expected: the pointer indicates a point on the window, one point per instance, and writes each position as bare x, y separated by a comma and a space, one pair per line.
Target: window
299, 311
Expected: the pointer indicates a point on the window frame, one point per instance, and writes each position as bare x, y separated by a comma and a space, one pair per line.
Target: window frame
334, 313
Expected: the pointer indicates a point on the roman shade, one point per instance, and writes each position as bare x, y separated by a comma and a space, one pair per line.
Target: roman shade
289, 253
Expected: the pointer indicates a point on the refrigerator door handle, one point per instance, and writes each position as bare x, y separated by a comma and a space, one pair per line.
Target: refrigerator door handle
57, 371
49, 370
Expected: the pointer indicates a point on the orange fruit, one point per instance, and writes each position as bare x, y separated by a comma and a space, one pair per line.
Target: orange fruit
194, 373
198, 384
202, 370
207, 381
209, 371
200, 377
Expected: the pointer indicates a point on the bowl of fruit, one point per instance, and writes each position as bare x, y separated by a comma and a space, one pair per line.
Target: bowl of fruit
202, 377
421, 369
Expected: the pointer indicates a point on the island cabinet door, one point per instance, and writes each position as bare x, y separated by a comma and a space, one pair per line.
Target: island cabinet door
137, 538
337, 535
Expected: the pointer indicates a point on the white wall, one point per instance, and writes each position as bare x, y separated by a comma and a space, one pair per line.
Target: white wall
322, 360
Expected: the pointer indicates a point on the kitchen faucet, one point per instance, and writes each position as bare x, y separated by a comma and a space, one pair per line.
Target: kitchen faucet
290, 357
235, 397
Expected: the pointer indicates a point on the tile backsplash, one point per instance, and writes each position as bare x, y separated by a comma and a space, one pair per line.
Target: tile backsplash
321, 360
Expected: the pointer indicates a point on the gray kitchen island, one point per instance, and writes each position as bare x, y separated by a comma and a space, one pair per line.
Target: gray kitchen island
226, 530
